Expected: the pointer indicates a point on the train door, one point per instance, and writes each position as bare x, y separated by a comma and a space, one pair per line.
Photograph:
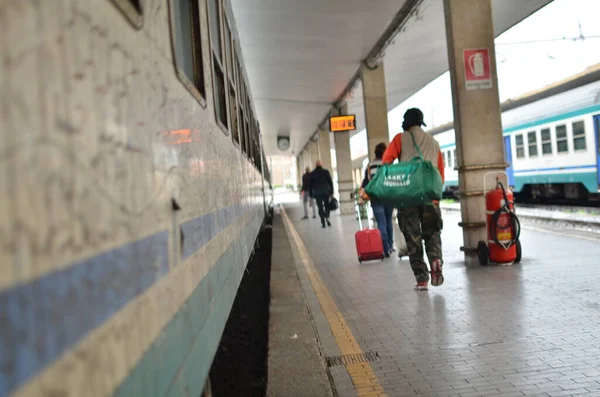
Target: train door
508, 157
597, 130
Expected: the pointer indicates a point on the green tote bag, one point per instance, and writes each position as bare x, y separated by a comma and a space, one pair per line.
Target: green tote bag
407, 184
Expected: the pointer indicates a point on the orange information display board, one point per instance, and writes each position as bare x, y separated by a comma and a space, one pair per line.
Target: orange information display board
342, 123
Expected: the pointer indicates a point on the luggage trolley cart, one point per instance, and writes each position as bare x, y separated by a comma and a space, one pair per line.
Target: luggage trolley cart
502, 226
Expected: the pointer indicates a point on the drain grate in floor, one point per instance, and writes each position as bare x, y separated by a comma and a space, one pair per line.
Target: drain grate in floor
352, 359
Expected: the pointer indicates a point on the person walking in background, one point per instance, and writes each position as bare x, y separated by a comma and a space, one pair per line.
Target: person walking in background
382, 212
306, 195
321, 186
424, 222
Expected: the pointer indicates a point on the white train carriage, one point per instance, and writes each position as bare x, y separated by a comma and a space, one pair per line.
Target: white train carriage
448, 148
132, 191
550, 139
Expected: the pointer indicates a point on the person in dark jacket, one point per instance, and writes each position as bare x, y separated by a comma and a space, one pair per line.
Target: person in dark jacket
383, 213
306, 195
321, 186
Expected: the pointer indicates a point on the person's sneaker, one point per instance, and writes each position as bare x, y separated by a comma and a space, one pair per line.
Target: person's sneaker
387, 254
323, 225
328, 223
421, 286
437, 278
305, 217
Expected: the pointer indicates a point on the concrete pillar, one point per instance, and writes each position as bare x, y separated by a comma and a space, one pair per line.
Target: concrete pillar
299, 172
314, 153
476, 103
344, 169
325, 149
306, 158
375, 103
301, 161
356, 177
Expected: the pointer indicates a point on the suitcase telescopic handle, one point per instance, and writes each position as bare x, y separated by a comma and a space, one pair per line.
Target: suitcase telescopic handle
357, 208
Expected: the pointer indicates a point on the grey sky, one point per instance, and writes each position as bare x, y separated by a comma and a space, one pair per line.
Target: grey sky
521, 67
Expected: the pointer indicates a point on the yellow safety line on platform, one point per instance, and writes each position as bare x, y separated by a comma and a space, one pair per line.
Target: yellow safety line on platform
364, 379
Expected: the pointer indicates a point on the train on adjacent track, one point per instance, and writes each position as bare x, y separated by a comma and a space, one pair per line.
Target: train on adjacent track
551, 141
133, 186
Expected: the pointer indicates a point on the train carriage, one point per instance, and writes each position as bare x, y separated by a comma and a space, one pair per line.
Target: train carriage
133, 186
551, 141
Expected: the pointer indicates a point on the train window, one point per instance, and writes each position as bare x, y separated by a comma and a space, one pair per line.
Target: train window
247, 134
234, 87
251, 134
240, 106
257, 147
532, 144
579, 136
597, 127
220, 89
215, 27
220, 95
546, 141
519, 146
562, 145
132, 9
254, 148
187, 46
242, 132
455, 158
230, 50
234, 121
236, 127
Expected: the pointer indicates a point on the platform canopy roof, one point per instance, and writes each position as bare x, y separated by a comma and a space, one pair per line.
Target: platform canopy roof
301, 55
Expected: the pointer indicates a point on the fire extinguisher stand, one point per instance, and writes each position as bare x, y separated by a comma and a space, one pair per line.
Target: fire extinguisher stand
502, 226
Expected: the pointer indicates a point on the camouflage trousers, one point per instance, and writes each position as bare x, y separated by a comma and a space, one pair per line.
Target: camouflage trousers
422, 224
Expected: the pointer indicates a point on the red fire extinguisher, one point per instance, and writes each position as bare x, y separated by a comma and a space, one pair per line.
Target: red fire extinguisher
503, 228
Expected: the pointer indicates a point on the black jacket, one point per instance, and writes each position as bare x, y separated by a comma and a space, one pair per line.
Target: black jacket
306, 182
321, 183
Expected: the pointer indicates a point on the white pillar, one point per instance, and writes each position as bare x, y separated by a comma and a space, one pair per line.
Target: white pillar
477, 112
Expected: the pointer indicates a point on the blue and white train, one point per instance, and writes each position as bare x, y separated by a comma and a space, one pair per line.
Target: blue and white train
133, 187
551, 141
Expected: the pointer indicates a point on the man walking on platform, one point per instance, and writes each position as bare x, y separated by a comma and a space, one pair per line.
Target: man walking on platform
306, 195
321, 186
422, 222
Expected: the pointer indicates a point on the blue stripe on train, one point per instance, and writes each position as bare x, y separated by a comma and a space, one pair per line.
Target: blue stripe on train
179, 359
43, 318
588, 179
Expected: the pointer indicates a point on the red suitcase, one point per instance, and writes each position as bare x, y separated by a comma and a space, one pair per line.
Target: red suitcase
369, 245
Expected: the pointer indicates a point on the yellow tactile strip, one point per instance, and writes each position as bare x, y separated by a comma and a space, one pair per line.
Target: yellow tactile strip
364, 379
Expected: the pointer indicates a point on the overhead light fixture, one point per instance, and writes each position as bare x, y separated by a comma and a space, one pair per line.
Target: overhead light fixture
283, 143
